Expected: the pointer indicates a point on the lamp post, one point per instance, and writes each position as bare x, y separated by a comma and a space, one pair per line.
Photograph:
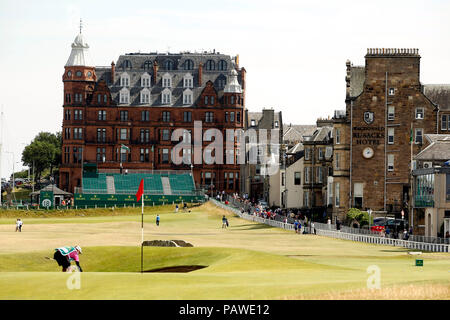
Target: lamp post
370, 217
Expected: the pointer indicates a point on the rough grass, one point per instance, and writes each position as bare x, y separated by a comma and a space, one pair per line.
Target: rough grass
245, 261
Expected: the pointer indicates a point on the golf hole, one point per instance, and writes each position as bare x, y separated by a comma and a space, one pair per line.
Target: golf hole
179, 269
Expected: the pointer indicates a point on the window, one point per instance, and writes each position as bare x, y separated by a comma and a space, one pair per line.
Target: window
166, 96
123, 115
165, 156
391, 113
319, 174
282, 179
99, 98
123, 134
101, 135
101, 154
67, 115
126, 64
276, 124
230, 181
337, 197
238, 117
232, 100
124, 96
358, 195
222, 65
123, 155
145, 115
337, 161
206, 100
226, 116
210, 65
418, 136
166, 116
338, 136
78, 97
125, 80
68, 98
297, 178
77, 154
187, 116
306, 198
169, 65
78, 133
390, 162
165, 134
307, 171
145, 80
445, 124
101, 115
188, 65
307, 153
209, 117
212, 100
105, 98
221, 82
78, 73
187, 96
66, 154
145, 135
391, 91
188, 81
253, 123
320, 153
145, 96
67, 133
231, 116
419, 113
78, 115
147, 65
167, 81
144, 155
390, 135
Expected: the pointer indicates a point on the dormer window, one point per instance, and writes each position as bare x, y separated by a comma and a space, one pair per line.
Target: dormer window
419, 113
210, 65
125, 80
145, 96
187, 96
167, 81
253, 123
391, 91
188, 65
145, 80
126, 64
188, 81
222, 66
166, 96
147, 65
124, 96
168, 65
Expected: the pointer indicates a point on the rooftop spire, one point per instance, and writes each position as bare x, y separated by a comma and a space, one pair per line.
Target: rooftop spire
81, 25
79, 55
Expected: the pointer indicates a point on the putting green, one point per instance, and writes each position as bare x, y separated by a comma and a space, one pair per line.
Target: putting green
245, 261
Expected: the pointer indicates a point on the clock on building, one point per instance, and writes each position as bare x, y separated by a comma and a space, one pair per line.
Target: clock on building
368, 153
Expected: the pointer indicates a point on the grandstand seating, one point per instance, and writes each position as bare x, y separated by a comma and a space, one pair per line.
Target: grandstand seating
180, 184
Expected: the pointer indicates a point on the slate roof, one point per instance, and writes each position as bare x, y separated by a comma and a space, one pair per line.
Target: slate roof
295, 133
137, 70
439, 149
439, 94
257, 116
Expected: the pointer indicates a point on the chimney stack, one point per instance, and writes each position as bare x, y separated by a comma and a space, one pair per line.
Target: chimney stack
155, 72
113, 71
200, 72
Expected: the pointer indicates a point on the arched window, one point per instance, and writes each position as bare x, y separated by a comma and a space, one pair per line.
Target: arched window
147, 65
124, 96
145, 80
126, 64
188, 81
145, 96
187, 96
124, 80
210, 65
166, 96
167, 80
222, 65
220, 82
168, 65
189, 65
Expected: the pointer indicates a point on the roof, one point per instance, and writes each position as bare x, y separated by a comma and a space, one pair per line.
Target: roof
261, 122
438, 94
295, 133
138, 62
439, 149
357, 78
297, 148
79, 55
322, 134
55, 189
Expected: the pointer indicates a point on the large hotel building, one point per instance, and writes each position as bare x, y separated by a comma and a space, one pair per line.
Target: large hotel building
121, 117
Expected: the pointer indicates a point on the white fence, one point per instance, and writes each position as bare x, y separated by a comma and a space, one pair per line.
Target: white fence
321, 229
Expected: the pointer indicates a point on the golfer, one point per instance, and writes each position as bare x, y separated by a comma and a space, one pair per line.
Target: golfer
19, 224
64, 255
157, 219
224, 222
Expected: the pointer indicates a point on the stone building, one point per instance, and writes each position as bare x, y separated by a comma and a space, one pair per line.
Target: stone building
255, 181
121, 117
387, 114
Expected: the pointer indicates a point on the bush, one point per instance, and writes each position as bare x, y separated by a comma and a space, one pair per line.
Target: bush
361, 216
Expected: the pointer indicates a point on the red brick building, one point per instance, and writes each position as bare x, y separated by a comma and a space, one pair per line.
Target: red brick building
138, 102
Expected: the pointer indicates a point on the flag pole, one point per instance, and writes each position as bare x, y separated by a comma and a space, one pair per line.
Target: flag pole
142, 235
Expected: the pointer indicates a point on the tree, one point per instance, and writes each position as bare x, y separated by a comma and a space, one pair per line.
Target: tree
361, 216
44, 151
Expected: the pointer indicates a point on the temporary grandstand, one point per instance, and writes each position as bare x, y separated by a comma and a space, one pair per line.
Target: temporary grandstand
114, 188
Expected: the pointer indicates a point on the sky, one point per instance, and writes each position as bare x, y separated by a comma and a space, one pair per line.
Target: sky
294, 51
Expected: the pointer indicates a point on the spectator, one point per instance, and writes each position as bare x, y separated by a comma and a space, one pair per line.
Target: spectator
176, 208
296, 226
224, 222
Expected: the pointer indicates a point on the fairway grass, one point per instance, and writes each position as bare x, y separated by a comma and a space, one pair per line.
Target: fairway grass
245, 261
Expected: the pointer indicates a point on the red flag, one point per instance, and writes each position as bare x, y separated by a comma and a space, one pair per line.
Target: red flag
140, 191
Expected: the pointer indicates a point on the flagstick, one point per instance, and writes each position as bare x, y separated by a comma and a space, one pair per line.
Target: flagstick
142, 237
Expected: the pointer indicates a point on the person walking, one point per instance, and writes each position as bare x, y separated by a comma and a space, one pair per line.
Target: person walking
224, 222
157, 219
176, 208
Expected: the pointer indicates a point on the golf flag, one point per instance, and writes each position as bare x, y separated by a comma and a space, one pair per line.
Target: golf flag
140, 191
122, 146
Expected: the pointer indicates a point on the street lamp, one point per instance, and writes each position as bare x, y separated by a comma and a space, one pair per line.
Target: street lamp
370, 217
